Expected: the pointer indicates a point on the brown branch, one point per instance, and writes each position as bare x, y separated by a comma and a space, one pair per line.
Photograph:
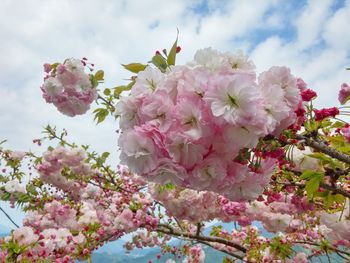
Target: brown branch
335, 189
329, 187
322, 147
8, 216
222, 250
107, 102
319, 245
172, 232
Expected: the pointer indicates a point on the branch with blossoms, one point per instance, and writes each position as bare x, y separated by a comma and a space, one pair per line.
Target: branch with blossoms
208, 140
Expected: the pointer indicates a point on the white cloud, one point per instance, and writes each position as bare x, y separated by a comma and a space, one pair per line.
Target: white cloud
311, 22
336, 31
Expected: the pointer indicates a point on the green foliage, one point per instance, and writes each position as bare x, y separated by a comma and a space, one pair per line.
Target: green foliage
118, 90
280, 248
94, 81
227, 260
330, 198
172, 54
167, 186
100, 114
99, 75
160, 62
135, 67
324, 159
313, 180
134, 206
215, 231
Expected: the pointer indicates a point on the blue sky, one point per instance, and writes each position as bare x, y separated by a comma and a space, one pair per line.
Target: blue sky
311, 37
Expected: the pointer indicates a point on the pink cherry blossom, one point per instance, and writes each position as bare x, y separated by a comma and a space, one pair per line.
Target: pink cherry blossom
25, 236
344, 93
69, 88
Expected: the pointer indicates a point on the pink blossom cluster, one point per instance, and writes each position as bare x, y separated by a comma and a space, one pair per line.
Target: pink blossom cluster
68, 87
195, 255
67, 225
198, 206
143, 239
56, 160
338, 225
344, 93
269, 256
187, 126
326, 113
60, 229
187, 204
279, 213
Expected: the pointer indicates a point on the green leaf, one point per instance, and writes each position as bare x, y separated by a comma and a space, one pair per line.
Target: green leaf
100, 115
99, 75
312, 183
94, 81
215, 230
321, 156
339, 198
105, 155
172, 54
344, 149
160, 62
134, 67
54, 65
170, 186
337, 124
107, 92
347, 68
309, 174
325, 123
118, 90
312, 186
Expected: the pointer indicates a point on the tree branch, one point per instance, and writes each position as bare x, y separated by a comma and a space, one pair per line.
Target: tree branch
107, 102
222, 250
173, 232
329, 187
7, 215
322, 147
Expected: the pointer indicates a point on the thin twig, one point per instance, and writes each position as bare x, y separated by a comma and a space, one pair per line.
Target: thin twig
322, 147
174, 232
7, 215
108, 102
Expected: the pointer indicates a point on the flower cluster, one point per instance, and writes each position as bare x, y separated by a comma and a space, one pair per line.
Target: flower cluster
72, 217
325, 113
196, 255
187, 204
189, 125
68, 87
56, 160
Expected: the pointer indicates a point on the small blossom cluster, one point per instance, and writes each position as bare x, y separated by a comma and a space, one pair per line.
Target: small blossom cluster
186, 204
143, 239
326, 113
68, 87
68, 225
278, 213
56, 160
187, 126
344, 93
338, 225
14, 186
195, 255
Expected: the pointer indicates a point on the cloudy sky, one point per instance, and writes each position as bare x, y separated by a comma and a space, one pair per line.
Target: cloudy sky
310, 37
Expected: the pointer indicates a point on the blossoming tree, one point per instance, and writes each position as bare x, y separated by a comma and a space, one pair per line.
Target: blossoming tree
209, 140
